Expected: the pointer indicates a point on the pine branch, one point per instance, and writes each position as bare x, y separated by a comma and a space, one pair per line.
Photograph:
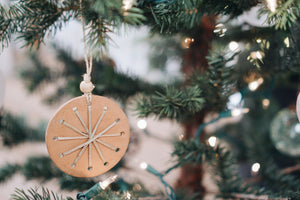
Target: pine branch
70, 183
218, 82
226, 175
191, 151
43, 168
98, 36
210, 90
105, 17
32, 20
286, 13
278, 180
223, 165
14, 130
106, 79
33, 194
173, 16
40, 167
107, 194
116, 12
171, 103
8, 171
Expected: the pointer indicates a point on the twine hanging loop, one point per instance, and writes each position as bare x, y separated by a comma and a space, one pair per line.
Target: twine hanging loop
86, 86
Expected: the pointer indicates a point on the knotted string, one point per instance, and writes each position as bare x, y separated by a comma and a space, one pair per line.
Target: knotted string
86, 86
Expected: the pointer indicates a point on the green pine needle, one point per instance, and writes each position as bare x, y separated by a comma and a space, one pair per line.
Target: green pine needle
171, 103
33, 194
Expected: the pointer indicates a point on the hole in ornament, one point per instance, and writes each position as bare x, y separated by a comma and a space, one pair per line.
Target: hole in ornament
61, 155
117, 149
61, 121
106, 163
73, 165
55, 138
118, 120
90, 168
122, 133
105, 108
75, 108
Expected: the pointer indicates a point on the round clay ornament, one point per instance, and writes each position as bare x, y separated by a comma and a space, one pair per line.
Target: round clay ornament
87, 139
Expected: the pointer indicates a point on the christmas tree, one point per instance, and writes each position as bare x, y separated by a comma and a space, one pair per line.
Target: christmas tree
235, 97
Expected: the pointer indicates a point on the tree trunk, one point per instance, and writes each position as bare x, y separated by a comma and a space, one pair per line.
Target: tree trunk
194, 59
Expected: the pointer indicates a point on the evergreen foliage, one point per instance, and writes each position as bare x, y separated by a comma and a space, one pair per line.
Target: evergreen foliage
173, 103
7, 171
271, 53
286, 14
222, 163
14, 130
33, 194
106, 79
171, 16
33, 20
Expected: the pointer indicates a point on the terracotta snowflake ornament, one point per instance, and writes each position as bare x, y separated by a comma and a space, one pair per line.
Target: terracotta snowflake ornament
87, 137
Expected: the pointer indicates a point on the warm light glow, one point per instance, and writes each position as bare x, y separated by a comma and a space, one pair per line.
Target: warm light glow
181, 136
265, 103
256, 55
187, 42
142, 124
128, 195
255, 84
287, 42
212, 141
258, 40
127, 4
233, 46
238, 111
143, 165
108, 181
255, 167
272, 5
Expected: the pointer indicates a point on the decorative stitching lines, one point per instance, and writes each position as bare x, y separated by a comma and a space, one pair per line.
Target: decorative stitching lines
90, 136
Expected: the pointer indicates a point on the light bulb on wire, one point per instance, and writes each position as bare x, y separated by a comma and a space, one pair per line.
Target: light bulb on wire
256, 55
272, 5
128, 195
127, 4
143, 165
239, 111
255, 84
107, 182
220, 30
287, 42
186, 42
212, 141
235, 100
233, 46
265, 103
142, 124
255, 167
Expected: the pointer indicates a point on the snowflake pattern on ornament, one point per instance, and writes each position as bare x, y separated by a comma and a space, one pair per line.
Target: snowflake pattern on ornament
89, 138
